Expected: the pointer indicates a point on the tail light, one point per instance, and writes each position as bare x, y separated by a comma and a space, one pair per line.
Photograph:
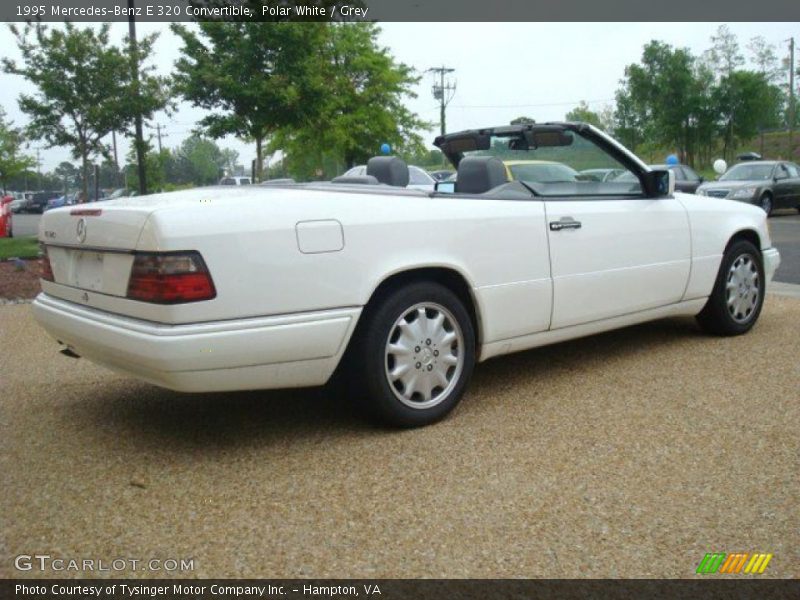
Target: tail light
170, 278
47, 269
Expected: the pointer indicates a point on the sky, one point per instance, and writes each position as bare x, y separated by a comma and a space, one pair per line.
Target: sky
502, 70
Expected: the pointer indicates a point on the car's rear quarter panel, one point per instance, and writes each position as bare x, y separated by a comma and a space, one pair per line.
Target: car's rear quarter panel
251, 249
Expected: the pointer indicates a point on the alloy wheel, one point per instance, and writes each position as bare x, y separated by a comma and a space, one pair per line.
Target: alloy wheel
424, 355
743, 288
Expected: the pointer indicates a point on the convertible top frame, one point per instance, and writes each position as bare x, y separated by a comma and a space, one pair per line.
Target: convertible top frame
454, 146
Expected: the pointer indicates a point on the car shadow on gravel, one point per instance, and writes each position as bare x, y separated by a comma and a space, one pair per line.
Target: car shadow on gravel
186, 422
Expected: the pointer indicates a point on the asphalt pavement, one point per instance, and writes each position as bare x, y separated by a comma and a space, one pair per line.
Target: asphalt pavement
627, 454
25, 224
784, 227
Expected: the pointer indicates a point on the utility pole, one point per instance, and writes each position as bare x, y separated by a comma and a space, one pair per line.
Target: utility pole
158, 129
134, 49
443, 91
116, 162
791, 99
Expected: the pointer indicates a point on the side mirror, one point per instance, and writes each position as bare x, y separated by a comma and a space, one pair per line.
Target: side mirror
659, 183
702, 179
445, 187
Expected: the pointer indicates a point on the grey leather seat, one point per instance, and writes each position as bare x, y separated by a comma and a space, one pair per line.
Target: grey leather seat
389, 170
479, 174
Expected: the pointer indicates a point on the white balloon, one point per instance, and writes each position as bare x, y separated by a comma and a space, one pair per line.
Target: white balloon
720, 166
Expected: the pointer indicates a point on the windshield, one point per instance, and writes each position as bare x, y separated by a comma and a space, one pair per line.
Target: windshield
748, 173
542, 172
562, 163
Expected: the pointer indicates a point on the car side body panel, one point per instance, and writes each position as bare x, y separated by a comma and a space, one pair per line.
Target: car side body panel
714, 222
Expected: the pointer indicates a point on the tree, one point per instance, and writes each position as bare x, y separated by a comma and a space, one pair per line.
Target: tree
362, 105
12, 161
159, 166
84, 88
747, 103
583, 113
204, 159
230, 160
69, 174
662, 97
763, 56
522, 120
628, 119
256, 77
724, 55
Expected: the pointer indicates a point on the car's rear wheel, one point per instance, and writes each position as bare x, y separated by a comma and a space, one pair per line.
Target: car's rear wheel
415, 354
738, 294
765, 202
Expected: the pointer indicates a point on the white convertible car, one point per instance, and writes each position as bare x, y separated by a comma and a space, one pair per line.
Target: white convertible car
271, 286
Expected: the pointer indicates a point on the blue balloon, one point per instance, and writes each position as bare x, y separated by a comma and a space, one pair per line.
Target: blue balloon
385, 148
672, 160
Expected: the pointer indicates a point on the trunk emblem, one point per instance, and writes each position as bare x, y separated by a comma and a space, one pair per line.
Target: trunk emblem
81, 230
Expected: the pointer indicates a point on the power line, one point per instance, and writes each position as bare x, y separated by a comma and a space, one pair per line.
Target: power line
541, 104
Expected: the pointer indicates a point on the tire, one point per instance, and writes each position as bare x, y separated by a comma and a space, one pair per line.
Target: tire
414, 355
738, 295
765, 202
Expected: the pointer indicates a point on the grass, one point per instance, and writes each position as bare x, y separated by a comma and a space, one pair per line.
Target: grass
23, 247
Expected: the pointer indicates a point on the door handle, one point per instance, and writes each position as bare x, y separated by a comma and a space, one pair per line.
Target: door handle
565, 223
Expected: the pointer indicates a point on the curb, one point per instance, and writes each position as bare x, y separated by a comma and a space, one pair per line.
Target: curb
783, 289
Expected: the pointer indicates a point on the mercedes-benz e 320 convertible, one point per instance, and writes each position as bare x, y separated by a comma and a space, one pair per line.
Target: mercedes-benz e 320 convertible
271, 286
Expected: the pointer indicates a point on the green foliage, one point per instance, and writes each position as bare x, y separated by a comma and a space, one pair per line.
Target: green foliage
156, 165
427, 159
360, 108
583, 113
522, 120
724, 56
673, 101
12, 161
747, 102
19, 247
199, 160
256, 77
85, 87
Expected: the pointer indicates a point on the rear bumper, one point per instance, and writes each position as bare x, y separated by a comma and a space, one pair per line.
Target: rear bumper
256, 353
772, 260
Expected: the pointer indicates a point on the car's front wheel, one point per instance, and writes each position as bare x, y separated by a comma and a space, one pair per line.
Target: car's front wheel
415, 355
765, 202
738, 294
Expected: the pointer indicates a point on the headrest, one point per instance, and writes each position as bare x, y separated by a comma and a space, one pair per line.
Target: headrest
389, 170
479, 174
355, 179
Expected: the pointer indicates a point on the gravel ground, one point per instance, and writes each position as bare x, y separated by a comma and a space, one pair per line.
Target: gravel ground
629, 454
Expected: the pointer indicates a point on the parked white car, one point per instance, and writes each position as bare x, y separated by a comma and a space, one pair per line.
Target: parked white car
404, 289
234, 180
418, 178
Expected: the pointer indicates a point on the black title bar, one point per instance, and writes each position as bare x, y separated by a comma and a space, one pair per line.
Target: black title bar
400, 10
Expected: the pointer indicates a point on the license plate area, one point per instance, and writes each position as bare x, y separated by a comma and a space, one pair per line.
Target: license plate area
89, 270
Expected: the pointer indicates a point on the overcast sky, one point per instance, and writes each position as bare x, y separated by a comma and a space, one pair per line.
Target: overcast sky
503, 70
